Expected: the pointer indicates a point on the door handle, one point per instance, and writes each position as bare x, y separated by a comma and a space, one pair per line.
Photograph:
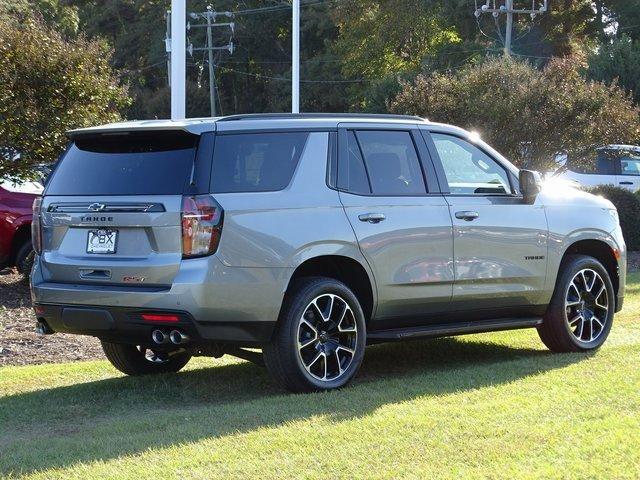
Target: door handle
626, 183
467, 215
371, 217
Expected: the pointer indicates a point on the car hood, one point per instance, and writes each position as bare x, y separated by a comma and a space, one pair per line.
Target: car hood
558, 191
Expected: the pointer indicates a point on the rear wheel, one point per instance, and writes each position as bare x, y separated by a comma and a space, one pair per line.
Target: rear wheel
320, 340
580, 315
137, 360
24, 259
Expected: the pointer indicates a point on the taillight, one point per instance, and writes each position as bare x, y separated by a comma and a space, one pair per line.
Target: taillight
36, 226
201, 225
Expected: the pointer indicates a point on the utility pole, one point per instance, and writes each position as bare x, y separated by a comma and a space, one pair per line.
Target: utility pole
295, 58
491, 6
210, 17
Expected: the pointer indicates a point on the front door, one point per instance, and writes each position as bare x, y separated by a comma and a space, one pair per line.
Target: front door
500, 243
389, 191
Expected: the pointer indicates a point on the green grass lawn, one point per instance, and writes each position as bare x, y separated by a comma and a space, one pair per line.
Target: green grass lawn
492, 406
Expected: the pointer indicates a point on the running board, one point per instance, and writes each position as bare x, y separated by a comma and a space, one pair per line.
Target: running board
446, 330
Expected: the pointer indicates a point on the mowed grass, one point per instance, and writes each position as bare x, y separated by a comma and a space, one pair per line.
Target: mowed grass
483, 406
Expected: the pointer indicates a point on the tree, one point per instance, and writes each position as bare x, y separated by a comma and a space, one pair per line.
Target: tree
618, 61
49, 85
381, 38
527, 114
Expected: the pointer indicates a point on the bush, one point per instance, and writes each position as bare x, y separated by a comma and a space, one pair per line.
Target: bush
49, 85
526, 113
628, 205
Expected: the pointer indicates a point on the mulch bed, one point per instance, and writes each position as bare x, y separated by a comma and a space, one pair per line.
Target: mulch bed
20, 345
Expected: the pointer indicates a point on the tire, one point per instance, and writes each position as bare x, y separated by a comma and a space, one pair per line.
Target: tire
578, 319
131, 360
24, 259
316, 349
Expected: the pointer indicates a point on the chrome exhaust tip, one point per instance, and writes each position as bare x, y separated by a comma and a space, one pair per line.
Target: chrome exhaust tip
178, 338
159, 337
42, 328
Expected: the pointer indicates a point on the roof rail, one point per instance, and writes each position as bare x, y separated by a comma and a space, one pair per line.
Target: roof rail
264, 116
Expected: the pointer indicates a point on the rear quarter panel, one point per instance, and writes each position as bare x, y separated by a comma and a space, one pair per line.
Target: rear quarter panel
283, 229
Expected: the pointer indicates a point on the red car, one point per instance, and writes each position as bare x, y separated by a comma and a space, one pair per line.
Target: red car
16, 202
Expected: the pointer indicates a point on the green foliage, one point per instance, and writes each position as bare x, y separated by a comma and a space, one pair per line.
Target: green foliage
58, 14
628, 205
527, 114
618, 61
381, 38
49, 85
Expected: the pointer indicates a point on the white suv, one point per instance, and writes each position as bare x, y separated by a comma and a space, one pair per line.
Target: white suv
617, 165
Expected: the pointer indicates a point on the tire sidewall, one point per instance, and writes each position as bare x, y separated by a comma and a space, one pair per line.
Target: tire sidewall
298, 307
573, 268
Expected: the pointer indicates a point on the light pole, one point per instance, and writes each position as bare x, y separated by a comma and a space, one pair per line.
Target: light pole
178, 59
295, 58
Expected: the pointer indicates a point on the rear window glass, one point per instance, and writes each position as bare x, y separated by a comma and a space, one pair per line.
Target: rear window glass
126, 164
255, 162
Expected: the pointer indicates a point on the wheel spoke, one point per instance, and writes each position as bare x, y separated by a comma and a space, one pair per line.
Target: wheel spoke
326, 365
318, 311
335, 352
314, 360
575, 319
597, 320
307, 343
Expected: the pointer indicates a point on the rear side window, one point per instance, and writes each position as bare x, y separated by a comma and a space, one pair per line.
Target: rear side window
126, 164
382, 163
600, 162
255, 162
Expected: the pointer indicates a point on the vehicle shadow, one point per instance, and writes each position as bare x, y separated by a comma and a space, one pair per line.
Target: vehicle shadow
108, 418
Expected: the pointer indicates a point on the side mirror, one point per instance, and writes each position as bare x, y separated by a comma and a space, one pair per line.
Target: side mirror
530, 185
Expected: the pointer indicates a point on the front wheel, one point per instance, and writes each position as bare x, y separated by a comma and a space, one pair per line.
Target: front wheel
321, 335
580, 315
137, 360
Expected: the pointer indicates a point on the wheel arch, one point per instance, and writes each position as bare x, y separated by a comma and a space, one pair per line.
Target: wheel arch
350, 271
601, 251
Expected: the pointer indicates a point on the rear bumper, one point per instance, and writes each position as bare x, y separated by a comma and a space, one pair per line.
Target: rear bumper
216, 303
126, 325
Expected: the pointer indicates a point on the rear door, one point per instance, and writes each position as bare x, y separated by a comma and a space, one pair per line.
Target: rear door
500, 243
389, 191
112, 209
629, 169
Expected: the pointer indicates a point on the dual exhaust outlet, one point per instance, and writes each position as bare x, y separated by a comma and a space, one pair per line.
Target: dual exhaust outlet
161, 337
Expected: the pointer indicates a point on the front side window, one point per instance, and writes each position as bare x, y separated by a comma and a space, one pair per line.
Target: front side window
255, 162
470, 171
630, 165
382, 163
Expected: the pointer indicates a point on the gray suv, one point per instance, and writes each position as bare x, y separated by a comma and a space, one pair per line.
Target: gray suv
308, 237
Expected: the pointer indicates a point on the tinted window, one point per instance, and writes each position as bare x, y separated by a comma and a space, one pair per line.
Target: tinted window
353, 175
392, 162
601, 162
126, 164
468, 169
255, 162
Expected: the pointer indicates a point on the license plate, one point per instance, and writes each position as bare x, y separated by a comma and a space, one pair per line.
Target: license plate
102, 241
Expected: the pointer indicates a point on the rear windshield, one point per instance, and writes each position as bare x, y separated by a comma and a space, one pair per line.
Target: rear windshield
255, 162
126, 164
